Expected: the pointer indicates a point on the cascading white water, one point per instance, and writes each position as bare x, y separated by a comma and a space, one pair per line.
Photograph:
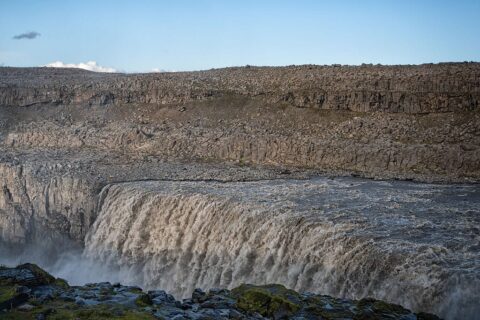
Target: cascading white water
413, 244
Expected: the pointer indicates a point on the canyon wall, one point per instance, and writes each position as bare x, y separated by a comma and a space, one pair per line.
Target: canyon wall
409, 89
374, 146
35, 209
404, 122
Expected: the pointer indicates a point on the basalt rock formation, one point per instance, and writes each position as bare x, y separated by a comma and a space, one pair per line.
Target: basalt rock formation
366, 88
415, 122
28, 292
169, 171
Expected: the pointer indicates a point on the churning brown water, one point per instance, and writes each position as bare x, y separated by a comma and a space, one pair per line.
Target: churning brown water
409, 243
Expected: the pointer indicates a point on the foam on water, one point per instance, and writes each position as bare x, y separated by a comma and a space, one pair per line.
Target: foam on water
409, 243
413, 244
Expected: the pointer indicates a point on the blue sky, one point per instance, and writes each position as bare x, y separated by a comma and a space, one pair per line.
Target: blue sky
143, 35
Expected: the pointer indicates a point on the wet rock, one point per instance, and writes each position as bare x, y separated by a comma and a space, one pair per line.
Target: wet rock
244, 302
160, 297
198, 295
9, 299
25, 307
143, 300
26, 275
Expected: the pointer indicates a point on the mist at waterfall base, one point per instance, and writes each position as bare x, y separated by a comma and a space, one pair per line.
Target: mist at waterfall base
68, 263
407, 243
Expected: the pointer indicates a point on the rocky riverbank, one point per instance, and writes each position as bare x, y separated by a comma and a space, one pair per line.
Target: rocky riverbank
28, 292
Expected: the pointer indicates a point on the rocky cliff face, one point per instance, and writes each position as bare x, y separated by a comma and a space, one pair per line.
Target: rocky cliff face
407, 122
34, 208
409, 89
52, 198
428, 148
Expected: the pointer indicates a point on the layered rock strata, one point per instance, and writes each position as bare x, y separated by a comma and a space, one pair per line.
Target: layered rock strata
411, 89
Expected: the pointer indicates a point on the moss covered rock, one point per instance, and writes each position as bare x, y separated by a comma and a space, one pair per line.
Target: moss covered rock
27, 274
143, 300
273, 301
28, 293
10, 297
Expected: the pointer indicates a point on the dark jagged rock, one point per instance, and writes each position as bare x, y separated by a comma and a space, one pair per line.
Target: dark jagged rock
25, 275
47, 298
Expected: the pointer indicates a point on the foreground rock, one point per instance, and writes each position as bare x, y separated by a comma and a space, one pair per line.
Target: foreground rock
28, 292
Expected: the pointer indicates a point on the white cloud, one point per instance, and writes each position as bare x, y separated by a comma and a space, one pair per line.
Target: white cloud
89, 65
159, 70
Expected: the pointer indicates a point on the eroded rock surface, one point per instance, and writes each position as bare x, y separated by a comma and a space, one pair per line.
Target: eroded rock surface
407, 122
411, 89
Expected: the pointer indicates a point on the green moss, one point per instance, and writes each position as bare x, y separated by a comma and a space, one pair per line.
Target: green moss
95, 313
135, 290
106, 291
266, 300
132, 315
317, 306
42, 275
323, 313
368, 307
62, 283
7, 293
57, 311
388, 308
98, 314
103, 313
143, 300
365, 303
62, 314
17, 315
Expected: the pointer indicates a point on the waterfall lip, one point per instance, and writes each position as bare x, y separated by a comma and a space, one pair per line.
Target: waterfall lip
309, 177
213, 180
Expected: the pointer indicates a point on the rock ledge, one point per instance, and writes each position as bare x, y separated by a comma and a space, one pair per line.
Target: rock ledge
28, 292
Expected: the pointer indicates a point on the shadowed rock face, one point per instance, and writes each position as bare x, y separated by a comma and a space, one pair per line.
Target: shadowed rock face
34, 208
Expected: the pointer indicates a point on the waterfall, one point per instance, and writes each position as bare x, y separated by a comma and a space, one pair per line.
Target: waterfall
378, 241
